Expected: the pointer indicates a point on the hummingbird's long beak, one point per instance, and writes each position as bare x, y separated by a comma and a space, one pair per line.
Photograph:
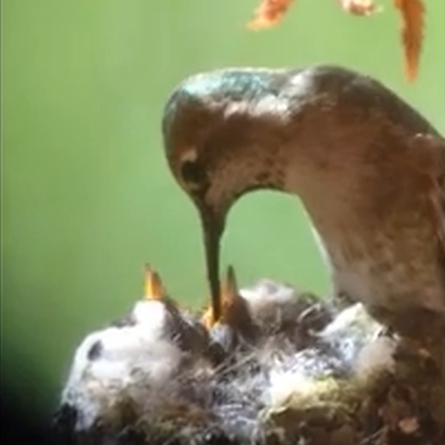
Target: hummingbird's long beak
213, 229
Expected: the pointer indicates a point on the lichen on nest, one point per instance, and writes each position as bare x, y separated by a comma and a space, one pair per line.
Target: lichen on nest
281, 367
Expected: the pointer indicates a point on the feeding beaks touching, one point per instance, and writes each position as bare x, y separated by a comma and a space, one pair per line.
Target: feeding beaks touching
234, 309
235, 323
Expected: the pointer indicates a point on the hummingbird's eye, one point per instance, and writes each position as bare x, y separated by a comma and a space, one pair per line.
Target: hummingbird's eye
194, 175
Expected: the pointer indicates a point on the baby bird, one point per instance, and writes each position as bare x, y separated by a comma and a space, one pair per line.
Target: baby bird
367, 167
142, 358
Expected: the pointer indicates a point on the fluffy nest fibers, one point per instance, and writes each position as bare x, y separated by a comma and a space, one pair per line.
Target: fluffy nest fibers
280, 367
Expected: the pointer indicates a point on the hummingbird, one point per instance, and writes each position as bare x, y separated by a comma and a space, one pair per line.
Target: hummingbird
367, 167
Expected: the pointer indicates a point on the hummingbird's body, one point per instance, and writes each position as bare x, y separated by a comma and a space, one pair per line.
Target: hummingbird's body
368, 168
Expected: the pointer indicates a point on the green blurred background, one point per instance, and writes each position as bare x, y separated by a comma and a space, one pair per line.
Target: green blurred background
87, 196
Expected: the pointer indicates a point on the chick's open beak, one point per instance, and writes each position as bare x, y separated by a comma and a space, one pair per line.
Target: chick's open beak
153, 286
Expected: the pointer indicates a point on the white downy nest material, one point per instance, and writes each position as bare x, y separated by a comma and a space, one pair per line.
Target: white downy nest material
159, 377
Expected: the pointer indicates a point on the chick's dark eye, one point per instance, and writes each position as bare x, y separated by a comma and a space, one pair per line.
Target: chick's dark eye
193, 174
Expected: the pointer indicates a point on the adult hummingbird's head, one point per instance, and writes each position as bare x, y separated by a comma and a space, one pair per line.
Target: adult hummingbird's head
218, 128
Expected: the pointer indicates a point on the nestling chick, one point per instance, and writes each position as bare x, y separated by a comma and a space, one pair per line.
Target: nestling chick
368, 168
138, 356
141, 383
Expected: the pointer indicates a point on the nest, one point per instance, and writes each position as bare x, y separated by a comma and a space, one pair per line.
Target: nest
280, 367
